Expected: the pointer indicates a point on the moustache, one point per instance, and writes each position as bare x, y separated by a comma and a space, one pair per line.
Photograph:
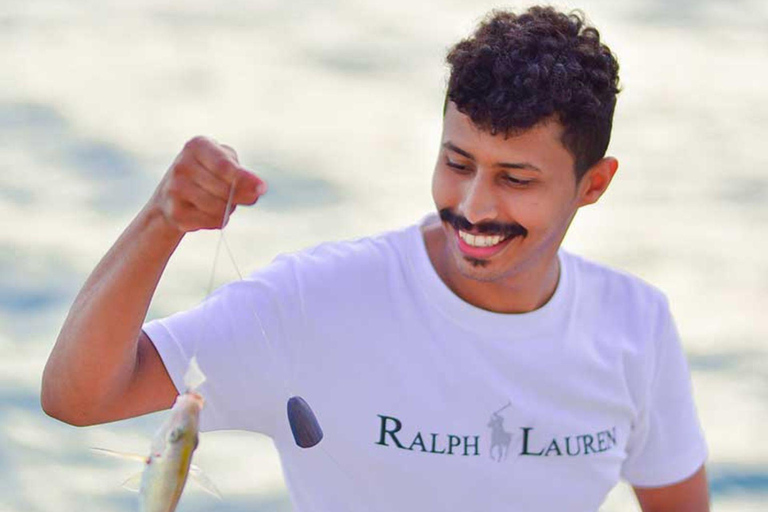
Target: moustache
485, 228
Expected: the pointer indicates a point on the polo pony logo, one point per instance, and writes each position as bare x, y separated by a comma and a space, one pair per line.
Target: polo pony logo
500, 438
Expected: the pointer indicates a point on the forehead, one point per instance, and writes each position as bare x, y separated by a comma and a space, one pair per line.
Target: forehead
540, 145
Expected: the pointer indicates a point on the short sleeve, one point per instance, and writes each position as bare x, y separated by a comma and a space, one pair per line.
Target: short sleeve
238, 334
666, 444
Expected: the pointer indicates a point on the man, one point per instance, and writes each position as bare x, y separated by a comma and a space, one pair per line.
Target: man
406, 343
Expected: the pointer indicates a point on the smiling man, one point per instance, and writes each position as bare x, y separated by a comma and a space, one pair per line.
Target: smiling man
506, 203
465, 362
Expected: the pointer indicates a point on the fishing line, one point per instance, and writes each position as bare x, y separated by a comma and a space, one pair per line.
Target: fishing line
223, 241
271, 347
227, 213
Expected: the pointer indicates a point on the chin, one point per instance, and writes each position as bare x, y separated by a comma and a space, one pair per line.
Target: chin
478, 270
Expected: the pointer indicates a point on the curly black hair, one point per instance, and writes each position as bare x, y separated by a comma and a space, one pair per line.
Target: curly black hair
518, 70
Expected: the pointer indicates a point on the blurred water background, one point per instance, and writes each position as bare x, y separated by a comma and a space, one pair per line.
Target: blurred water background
338, 105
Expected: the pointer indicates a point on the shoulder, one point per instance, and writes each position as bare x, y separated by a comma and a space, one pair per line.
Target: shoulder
615, 294
377, 247
611, 280
626, 316
337, 263
353, 254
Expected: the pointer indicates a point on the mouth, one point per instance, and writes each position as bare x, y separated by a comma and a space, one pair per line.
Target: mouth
478, 242
481, 246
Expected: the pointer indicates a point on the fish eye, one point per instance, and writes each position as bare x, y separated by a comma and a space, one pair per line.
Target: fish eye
176, 434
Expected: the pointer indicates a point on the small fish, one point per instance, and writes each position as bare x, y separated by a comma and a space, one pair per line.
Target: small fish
162, 481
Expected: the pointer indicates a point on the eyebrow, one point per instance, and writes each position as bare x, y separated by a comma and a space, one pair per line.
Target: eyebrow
507, 165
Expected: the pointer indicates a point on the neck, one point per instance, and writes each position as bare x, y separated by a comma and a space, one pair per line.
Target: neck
522, 291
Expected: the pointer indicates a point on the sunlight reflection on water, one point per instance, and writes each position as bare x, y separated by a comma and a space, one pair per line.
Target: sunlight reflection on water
339, 107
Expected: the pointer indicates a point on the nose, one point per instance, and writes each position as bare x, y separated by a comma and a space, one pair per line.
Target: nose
479, 202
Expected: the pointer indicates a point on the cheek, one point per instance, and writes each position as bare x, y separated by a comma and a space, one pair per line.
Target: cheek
537, 211
443, 191
435, 187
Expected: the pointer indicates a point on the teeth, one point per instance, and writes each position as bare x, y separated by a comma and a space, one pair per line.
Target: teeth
480, 241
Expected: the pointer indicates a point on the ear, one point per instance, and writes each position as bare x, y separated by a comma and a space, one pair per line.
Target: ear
596, 180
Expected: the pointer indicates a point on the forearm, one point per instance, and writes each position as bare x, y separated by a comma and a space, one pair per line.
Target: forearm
95, 354
99, 369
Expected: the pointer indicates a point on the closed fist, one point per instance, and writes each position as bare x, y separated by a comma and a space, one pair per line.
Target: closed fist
194, 192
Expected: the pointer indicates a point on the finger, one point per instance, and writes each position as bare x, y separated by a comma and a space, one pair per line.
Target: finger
198, 219
190, 192
207, 180
221, 161
248, 188
187, 217
194, 219
244, 192
214, 158
231, 152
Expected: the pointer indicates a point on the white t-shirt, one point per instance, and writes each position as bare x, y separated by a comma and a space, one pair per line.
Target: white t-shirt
431, 404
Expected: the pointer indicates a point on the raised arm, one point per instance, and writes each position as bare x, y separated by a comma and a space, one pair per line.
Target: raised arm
103, 367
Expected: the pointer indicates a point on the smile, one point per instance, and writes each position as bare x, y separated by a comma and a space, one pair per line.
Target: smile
479, 246
479, 240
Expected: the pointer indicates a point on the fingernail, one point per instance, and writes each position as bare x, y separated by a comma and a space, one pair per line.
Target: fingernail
261, 188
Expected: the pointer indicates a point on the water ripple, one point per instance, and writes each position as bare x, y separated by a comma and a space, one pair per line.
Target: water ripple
738, 481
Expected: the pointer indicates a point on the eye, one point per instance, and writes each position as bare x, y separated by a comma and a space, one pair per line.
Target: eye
516, 181
455, 165
176, 434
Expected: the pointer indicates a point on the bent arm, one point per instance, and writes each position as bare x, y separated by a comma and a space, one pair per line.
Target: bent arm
690, 495
102, 367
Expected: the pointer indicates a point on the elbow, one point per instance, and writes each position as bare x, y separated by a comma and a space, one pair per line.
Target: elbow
53, 408
57, 408
64, 414
48, 401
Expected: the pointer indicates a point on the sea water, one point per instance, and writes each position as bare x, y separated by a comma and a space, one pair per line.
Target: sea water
338, 105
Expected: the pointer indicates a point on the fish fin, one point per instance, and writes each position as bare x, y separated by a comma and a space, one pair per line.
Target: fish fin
194, 377
121, 455
203, 481
133, 483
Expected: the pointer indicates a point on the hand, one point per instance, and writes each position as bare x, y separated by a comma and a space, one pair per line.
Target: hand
193, 193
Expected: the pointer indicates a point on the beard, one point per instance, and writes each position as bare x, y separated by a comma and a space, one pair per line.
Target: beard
507, 231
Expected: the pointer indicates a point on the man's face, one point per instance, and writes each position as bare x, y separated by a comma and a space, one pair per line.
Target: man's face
518, 193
